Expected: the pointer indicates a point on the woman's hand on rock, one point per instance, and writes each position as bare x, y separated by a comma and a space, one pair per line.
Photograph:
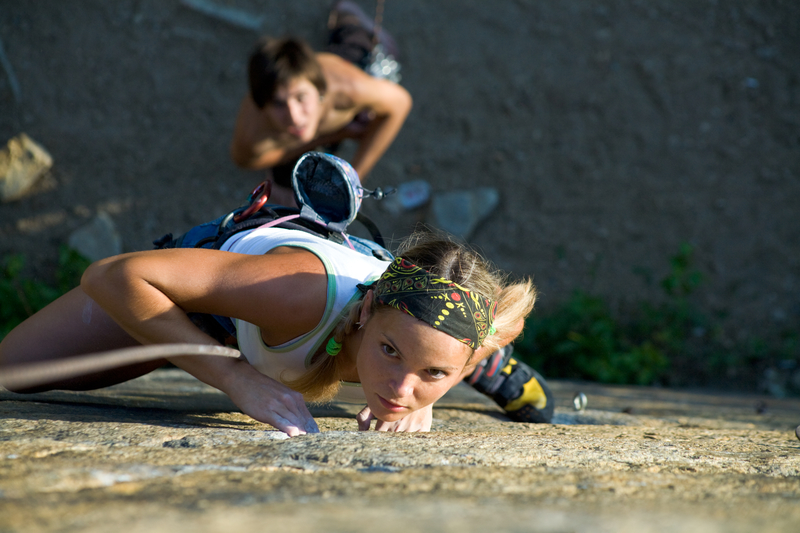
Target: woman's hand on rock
270, 401
418, 421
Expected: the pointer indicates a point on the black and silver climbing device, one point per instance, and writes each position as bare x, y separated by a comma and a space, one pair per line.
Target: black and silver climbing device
329, 195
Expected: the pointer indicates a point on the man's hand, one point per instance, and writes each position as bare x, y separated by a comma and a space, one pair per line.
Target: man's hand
418, 421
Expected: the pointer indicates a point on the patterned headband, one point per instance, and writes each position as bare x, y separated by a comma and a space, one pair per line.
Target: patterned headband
444, 304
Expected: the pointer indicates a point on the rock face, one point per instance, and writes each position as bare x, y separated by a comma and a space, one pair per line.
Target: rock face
612, 131
167, 453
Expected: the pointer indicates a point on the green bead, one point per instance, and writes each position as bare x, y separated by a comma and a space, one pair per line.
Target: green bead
333, 347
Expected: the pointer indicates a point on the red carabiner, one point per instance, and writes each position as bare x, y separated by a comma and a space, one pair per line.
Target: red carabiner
258, 198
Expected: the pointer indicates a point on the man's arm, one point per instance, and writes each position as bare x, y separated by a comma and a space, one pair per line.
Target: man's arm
248, 134
255, 148
391, 104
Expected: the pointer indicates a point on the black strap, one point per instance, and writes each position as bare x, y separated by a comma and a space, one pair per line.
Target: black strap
372, 228
269, 213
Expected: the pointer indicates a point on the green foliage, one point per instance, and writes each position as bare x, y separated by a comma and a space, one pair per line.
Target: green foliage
22, 297
683, 279
583, 339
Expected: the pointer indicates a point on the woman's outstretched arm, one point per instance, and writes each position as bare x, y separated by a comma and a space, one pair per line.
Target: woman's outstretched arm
143, 298
150, 293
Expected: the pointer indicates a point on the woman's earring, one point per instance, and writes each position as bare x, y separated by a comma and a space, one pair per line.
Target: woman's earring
360, 325
333, 347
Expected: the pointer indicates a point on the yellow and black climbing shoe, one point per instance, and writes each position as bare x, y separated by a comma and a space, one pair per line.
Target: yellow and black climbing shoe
515, 386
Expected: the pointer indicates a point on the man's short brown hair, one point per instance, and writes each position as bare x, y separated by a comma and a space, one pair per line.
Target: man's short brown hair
275, 62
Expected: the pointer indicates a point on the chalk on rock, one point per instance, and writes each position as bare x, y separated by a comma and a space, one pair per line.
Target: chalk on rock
98, 239
22, 163
460, 212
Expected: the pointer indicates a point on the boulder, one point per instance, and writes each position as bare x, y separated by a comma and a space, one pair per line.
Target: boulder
460, 212
98, 239
22, 163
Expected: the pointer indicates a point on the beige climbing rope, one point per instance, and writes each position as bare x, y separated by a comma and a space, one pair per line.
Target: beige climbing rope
44, 372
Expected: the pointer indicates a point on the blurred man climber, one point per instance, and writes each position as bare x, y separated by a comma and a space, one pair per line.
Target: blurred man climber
300, 100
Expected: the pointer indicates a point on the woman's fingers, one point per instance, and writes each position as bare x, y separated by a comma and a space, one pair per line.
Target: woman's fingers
364, 418
419, 420
291, 415
293, 425
401, 426
287, 426
270, 401
380, 425
311, 426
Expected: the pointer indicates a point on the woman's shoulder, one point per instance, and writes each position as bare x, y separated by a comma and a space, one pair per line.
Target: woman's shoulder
335, 257
284, 292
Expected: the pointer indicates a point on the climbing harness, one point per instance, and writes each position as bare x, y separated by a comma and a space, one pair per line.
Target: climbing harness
329, 195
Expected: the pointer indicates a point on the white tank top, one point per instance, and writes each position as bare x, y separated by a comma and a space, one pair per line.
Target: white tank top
345, 268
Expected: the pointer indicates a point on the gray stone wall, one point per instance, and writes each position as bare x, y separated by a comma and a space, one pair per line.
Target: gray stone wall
613, 131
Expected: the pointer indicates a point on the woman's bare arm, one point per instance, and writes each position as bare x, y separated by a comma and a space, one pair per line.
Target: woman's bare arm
149, 293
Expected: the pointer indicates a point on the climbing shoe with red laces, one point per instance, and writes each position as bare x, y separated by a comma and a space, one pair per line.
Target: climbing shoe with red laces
515, 386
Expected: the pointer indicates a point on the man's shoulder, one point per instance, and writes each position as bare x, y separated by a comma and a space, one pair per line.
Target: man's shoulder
335, 68
327, 59
347, 82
